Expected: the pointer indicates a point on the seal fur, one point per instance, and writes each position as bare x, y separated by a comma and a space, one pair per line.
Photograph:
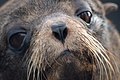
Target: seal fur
90, 52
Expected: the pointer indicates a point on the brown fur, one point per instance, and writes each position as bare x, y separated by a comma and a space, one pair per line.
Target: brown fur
90, 52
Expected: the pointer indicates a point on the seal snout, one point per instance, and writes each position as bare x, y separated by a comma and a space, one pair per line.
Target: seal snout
60, 31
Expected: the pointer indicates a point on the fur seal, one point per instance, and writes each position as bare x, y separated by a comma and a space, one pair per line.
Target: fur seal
58, 40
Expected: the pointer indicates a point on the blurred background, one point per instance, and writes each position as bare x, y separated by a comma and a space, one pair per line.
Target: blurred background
114, 16
2, 2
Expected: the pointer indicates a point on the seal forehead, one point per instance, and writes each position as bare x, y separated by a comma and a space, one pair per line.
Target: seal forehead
36, 8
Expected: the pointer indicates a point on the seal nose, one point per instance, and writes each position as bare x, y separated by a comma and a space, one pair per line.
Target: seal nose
60, 31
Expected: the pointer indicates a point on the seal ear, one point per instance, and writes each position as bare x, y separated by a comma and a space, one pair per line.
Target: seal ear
109, 7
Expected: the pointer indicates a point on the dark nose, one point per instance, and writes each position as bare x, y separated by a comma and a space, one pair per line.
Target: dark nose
60, 31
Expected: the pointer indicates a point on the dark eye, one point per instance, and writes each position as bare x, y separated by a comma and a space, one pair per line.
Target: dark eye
17, 40
86, 16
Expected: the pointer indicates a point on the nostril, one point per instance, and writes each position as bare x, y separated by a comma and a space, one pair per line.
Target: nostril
56, 35
65, 32
60, 31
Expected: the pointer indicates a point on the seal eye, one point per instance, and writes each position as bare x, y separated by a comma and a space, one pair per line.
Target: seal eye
86, 16
17, 40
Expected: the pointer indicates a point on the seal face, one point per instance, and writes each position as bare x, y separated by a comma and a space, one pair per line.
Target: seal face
57, 40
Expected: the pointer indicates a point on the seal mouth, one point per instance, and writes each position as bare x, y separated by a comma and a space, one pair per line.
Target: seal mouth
66, 55
69, 66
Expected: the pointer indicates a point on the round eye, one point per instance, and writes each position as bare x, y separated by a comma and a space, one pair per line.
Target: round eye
86, 16
16, 40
